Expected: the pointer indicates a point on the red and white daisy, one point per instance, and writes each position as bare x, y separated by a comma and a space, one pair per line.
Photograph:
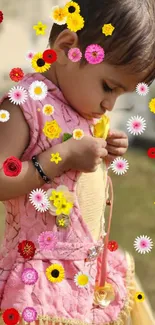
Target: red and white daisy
119, 166
30, 55
142, 89
18, 95
29, 276
94, 54
47, 240
74, 54
136, 125
39, 200
143, 244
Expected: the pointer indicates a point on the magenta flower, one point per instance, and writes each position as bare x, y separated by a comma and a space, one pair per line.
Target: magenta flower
29, 276
29, 314
94, 54
47, 240
74, 54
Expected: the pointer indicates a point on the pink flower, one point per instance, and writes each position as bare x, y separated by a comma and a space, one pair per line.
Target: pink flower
30, 55
29, 276
47, 240
29, 314
74, 54
94, 54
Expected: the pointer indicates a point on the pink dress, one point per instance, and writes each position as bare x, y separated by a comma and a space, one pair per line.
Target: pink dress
68, 300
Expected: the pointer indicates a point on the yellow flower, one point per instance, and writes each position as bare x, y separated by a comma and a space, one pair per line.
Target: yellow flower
61, 222
56, 196
139, 296
48, 109
152, 105
81, 279
71, 7
101, 128
103, 296
75, 22
58, 15
56, 157
38, 64
55, 273
40, 28
78, 134
108, 29
63, 207
52, 129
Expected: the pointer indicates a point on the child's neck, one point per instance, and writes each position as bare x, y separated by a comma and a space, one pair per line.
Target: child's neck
51, 75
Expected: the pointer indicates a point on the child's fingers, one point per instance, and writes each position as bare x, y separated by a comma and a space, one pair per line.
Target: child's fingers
116, 134
115, 151
118, 142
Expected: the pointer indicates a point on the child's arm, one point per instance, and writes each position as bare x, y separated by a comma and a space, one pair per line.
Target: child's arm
14, 139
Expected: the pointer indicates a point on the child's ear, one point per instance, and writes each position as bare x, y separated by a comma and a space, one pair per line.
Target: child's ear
65, 40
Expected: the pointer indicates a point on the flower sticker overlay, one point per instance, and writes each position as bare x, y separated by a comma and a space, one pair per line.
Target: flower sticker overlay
112, 245
74, 54
136, 125
47, 240
142, 89
12, 166
17, 95
151, 152
39, 64
40, 28
16, 74
58, 15
82, 280
152, 105
48, 109
38, 90
55, 157
26, 248
119, 166
139, 296
55, 273
75, 22
11, 316
29, 55
94, 54
29, 314
108, 29
39, 200
71, 8
78, 134
143, 244
4, 115
1, 16
29, 276
52, 129
49, 56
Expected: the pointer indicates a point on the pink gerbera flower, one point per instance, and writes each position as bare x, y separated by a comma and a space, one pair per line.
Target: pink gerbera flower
74, 54
29, 314
143, 244
29, 276
39, 200
142, 89
94, 54
17, 95
119, 166
47, 240
136, 125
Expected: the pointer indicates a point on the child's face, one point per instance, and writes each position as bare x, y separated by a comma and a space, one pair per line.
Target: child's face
86, 88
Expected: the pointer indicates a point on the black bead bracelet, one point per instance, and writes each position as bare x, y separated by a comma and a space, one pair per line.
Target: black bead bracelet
39, 169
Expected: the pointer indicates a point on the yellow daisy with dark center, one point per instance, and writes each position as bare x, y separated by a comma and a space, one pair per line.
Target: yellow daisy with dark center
139, 296
38, 64
71, 8
55, 273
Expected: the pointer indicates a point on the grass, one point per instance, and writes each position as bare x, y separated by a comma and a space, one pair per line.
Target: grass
133, 214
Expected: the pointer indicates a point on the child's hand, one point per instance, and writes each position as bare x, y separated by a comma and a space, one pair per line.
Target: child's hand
86, 154
117, 145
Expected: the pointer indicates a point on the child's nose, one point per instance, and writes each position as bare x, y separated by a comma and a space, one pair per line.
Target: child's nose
108, 104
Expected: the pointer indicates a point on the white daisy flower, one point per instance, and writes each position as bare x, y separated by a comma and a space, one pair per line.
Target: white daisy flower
4, 115
82, 279
38, 90
119, 166
143, 244
39, 200
29, 55
142, 89
78, 134
58, 15
136, 125
17, 95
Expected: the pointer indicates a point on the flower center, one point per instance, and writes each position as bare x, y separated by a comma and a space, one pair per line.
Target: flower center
40, 62
12, 166
94, 54
140, 297
38, 90
3, 115
55, 273
71, 9
48, 238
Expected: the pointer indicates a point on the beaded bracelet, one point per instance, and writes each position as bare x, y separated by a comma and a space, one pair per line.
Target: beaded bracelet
39, 169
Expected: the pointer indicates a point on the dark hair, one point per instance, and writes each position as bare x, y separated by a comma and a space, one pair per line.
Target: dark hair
133, 40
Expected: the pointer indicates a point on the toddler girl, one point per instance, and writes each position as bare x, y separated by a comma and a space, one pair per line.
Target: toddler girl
55, 266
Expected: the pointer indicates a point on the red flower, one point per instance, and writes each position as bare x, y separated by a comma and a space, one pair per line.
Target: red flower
16, 74
112, 245
151, 152
26, 249
11, 316
1, 16
49, 56
12, 166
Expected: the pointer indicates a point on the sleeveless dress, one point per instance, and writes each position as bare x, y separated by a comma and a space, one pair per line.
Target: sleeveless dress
76, 255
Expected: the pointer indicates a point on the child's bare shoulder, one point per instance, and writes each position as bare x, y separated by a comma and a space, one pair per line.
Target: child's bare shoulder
14, 133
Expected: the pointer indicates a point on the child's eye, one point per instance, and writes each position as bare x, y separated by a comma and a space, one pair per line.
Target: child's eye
106, 87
